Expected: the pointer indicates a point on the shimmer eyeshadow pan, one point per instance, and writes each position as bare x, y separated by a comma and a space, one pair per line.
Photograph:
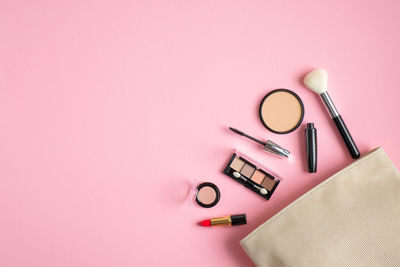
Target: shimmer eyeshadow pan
258, 177
237, 164
252, 174
248, 170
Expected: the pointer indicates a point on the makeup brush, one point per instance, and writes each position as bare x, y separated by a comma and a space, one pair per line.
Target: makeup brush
262, 190
317, 81
269, 146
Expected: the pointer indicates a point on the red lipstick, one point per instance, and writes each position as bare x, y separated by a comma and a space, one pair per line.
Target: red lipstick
231, 220
205, 223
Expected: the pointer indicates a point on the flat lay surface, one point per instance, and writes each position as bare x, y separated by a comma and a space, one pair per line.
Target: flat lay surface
110, 110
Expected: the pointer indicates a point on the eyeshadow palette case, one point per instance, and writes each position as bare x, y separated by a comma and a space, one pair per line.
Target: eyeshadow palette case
255, 173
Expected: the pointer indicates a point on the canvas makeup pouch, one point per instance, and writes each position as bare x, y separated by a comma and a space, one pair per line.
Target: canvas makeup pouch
351, 219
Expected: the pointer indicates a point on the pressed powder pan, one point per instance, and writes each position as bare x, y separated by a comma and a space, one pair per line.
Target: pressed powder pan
281, 111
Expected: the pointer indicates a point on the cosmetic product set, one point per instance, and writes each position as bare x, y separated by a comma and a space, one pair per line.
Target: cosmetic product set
281, 111
207, 195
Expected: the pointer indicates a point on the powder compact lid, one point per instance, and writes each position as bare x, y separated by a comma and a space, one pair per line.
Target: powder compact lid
281, 111
207, 195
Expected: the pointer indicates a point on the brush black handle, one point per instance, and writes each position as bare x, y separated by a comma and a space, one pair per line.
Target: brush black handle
344, 132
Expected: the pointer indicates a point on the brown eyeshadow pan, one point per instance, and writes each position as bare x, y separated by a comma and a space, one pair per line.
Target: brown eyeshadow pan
268, 183
247, 170
206, 195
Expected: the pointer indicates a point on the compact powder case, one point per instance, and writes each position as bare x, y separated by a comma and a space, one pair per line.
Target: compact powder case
281, 111
207, 195
256, 176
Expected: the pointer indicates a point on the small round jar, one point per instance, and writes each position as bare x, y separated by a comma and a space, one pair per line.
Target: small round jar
207, 195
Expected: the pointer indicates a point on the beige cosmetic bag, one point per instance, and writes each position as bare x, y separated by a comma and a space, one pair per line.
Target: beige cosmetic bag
351, 219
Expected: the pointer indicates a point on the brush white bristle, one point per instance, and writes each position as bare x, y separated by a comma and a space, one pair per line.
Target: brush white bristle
236, 174
317, 81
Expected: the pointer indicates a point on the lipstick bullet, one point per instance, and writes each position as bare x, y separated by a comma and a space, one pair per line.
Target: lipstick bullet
231, 220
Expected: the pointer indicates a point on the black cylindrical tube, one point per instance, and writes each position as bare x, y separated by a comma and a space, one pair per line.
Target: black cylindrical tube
238, 219
311, 142
344, 132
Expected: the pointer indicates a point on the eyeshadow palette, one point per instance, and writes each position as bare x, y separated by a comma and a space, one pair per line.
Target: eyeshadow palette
254, 176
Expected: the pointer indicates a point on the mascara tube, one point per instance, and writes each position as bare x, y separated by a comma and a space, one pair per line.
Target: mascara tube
311, 142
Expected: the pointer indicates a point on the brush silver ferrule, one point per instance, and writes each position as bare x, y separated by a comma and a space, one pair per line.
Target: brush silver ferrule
329, 104
276, 149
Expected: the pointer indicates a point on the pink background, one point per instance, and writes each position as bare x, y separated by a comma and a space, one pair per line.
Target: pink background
109, 109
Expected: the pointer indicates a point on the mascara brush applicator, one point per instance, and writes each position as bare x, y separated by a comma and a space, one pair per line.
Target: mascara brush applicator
269, 146
317, 81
